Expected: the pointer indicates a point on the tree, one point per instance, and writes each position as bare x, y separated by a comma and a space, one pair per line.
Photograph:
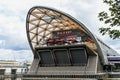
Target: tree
112, 18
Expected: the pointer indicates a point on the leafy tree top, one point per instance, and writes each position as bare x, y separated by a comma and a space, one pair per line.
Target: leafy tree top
112, 18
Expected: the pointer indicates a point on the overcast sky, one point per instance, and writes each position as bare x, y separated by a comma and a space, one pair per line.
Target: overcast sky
13, 39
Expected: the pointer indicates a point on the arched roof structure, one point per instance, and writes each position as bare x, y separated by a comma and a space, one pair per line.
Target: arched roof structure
41, 21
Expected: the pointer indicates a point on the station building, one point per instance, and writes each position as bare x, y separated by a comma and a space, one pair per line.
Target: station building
63, 47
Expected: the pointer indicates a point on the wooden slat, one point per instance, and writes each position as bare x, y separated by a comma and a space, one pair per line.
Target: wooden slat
34, 19
33, 37
32, 28
32, 23
37, 12
33, 14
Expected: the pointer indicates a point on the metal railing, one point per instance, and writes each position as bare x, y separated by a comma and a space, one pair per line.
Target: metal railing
63, 75
11, 77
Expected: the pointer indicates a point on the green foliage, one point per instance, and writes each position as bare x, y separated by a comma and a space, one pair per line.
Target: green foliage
112, 33
112, 18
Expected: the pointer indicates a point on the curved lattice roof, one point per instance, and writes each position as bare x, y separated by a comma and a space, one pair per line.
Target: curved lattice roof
41, 21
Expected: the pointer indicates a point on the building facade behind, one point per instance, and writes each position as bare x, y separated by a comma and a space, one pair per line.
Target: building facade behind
13, 67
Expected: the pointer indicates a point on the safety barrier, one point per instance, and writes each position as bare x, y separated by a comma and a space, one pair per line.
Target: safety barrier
11, 77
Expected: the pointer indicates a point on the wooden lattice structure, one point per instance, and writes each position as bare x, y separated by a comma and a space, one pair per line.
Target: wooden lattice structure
41, 22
